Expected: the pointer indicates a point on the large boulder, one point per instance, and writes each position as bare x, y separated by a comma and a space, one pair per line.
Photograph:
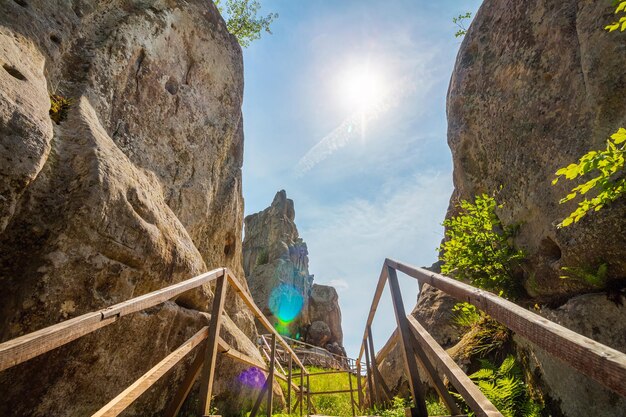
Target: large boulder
536, 85
138, 188
324, 306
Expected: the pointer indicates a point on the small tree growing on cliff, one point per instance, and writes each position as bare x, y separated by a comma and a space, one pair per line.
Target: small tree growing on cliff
607, 165
477, 247
242, 20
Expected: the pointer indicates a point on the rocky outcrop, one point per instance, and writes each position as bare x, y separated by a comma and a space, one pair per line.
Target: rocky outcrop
535, 86
276, 264
139, 187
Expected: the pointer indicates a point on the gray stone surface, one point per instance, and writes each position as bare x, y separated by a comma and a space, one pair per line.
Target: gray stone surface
139, 188
536, 85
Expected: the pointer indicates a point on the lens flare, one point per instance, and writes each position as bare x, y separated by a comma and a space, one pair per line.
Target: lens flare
285, 302
252, 377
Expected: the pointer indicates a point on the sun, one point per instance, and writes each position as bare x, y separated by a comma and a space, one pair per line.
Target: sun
362, 88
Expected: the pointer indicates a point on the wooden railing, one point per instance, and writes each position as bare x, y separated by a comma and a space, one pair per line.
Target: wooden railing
33, 344
309, 355
603, 364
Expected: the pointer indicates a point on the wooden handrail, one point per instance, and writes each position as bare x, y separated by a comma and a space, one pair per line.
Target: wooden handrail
599, 362
261, 317
23, 348
605, 365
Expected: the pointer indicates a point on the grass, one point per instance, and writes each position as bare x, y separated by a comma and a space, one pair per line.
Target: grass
339, 404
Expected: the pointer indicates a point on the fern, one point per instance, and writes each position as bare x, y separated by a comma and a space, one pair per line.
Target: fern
504, 387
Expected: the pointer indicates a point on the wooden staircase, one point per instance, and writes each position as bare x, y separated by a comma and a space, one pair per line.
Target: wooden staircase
603, 364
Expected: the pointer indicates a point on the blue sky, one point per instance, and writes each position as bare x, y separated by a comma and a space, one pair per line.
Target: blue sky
367, 184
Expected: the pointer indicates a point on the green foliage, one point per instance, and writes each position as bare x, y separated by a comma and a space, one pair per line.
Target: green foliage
595, 278
621, 23
465, 314
477, 248
396, 409
242, 20
332, 404
59, 107
505, 388
460, 22
607, 184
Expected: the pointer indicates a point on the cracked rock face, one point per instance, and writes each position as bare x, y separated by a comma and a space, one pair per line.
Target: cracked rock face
138, 188
536, 85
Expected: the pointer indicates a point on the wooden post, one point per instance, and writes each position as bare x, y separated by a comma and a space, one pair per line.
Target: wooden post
301, 389
308, 395
368, 370
270, 377
259, 400
410, 364
374, 364
185, 387
351, 391
359, 386
208, 372
289, 385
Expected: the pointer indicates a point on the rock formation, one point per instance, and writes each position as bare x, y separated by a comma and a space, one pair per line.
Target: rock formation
276, 263
137, 188
536, 85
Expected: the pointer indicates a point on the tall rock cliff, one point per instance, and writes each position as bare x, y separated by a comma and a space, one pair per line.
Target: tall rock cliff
138, 187
537, 84
276, 264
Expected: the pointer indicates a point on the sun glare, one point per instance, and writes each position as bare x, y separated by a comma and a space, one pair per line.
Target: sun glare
362, 89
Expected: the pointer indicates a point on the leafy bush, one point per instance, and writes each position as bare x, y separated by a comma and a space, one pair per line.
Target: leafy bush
505, 388
466, 315
608, 184
594, 278
59, 107
477, 248
242, 20
460, 22
621, 23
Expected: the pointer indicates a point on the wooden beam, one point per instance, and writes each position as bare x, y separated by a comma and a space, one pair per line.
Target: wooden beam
34, 344
351, 393
130, 394
159, 296
270, 377
259, 400
359, 386
208, 371
339, 391
176, 403
368, 373
410, 366
445, 365
289, 382
599, 362
440, 387
23, 348
380, 286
